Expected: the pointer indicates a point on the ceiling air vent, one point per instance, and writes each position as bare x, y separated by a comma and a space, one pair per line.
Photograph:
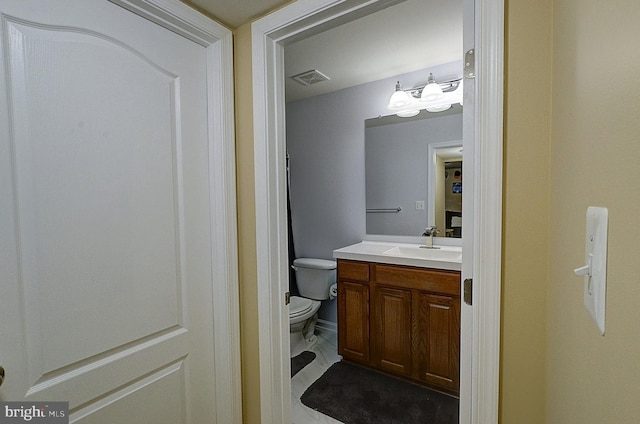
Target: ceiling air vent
310, 77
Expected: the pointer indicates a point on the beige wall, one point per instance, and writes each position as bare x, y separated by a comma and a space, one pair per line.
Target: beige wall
247, 227
526, 211
594, 161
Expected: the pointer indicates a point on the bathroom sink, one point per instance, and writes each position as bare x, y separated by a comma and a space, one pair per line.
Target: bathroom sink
438, 254
444, 257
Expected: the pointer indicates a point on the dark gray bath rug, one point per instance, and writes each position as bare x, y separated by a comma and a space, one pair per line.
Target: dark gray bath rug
301, 361
356, 395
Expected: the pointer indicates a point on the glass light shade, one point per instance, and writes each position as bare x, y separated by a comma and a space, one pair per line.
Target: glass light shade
431, 92
399, 99
460, 92
440, 108
408, 113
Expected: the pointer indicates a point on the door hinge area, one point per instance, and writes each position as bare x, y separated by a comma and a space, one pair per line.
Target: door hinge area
287, 298
468, 291
470, 64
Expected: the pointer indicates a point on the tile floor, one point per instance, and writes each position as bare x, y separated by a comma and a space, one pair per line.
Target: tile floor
326, 350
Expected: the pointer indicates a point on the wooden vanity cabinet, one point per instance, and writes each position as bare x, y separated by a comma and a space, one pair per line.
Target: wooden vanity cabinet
390, 336
353, 307
402, 320
438, 333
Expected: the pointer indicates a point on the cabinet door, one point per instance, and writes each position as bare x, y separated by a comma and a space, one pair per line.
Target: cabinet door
353, 321
391, 332
438, 340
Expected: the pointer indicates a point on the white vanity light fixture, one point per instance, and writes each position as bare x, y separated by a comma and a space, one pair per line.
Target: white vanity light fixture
458, 93
434, 97
399, 99
408, 113
432, 91
440, 108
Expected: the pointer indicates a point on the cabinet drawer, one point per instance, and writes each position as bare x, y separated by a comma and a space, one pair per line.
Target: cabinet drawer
438, 281
354, 271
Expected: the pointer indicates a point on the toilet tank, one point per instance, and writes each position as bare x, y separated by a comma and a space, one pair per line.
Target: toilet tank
314, 277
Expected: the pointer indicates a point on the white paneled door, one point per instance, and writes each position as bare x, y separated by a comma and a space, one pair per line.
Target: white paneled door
106, 294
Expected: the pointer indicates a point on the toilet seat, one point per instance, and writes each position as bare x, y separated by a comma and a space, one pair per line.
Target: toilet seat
299, 306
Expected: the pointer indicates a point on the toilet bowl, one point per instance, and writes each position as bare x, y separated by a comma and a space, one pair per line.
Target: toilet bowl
302, 320
314, 278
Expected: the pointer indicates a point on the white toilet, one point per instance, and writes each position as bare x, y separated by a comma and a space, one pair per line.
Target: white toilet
314, 278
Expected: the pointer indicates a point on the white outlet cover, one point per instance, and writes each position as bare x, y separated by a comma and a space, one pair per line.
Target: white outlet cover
595, 285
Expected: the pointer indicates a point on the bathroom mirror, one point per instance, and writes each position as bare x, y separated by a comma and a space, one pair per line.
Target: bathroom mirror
413, 170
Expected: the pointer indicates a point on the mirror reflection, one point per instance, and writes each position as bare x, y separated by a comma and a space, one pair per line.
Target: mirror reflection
413, 174
447, 199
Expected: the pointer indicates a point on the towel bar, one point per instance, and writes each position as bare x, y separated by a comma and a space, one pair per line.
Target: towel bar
390, 210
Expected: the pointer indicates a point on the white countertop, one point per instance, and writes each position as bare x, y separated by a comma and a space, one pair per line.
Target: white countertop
444, 257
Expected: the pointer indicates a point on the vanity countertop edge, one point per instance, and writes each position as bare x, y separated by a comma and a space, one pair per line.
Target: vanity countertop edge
374, 251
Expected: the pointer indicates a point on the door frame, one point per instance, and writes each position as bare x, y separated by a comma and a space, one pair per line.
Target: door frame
432, 153
302, 19
217, 40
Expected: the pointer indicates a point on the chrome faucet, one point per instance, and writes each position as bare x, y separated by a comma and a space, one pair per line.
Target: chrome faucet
429, 232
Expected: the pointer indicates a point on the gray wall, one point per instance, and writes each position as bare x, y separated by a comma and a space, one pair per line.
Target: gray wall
325, 142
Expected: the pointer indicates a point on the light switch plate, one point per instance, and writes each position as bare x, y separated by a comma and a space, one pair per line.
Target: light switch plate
595, 284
